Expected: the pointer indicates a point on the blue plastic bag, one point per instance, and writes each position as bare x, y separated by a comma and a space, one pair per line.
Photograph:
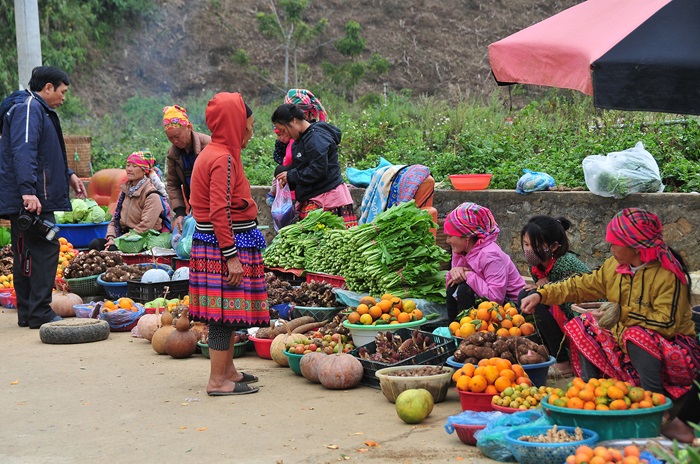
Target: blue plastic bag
362, 178
533, 181
184, 244
471, 418
492, 440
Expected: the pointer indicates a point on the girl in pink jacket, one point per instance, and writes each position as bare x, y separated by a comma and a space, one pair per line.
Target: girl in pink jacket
480, 269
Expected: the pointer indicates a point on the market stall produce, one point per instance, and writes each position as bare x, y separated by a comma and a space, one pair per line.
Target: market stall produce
396, 253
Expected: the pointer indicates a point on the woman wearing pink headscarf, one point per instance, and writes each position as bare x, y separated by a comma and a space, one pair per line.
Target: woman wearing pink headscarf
650, 336
480, 269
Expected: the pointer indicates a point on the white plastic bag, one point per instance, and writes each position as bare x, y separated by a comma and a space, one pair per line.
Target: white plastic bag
282, 208
621, 173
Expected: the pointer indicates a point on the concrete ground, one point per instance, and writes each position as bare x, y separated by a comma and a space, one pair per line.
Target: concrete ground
118, 401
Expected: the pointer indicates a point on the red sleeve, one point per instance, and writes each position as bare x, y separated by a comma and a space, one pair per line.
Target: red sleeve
220, 205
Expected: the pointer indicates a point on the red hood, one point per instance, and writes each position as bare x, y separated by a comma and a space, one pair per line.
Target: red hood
225, 116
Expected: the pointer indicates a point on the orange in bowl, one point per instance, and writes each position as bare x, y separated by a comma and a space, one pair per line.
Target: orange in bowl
470, 181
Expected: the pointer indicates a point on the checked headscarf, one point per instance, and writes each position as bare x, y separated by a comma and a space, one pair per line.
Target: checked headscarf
642, 230
308, 103
143, 159
471, 220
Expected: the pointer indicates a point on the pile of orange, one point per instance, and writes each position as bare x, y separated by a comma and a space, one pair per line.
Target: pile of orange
7, 281
490, 376
122, 303
66, 253
490, 316
388, 309
605, 395
602, 455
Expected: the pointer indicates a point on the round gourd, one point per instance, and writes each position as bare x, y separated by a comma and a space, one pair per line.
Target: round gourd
279, 344
155, 275
158, 340
148, 324
62, 303
309, 365
340, 371
182, 273
181, 342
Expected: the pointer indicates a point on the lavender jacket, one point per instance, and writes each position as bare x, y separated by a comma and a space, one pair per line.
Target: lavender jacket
493, 275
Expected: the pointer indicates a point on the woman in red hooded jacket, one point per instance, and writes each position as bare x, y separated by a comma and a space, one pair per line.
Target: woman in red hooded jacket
227, 280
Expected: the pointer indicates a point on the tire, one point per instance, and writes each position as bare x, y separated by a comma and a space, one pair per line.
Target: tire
70, 331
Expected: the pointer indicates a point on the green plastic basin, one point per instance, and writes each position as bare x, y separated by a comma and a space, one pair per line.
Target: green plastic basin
611, 425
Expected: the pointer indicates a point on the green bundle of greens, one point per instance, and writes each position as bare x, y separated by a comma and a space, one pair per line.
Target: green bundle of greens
397, 254
302, 241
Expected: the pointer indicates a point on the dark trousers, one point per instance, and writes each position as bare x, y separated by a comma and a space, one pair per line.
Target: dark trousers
34, 271
465, 298
550, 332
690, 411
648, 368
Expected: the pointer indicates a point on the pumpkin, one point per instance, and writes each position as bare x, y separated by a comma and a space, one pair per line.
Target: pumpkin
181, 342
62, 303
148, 324
158, 340
309, 365
340, 371
279, 345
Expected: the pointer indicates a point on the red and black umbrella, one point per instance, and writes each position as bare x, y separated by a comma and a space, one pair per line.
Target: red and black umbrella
640, 55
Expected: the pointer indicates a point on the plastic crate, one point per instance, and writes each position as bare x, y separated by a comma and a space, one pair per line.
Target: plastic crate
138, 258
85, 286
293, 276
435, 356
142, 293
80, 235
179, 262
319, 314
334, 280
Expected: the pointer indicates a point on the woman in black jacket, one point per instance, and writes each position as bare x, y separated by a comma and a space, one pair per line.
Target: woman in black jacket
314, 174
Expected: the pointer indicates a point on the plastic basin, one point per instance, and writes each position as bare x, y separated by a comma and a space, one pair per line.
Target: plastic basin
466, 432
538, 372
294, 360
452, 363
262, 347
470, 181
364, 334
611, 425
545, 453
475, 401
80, 235
393, 385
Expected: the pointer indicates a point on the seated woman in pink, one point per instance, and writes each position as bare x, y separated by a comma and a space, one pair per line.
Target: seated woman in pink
480, 269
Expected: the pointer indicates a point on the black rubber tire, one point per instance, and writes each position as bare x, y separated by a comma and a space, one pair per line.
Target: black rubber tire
73, 330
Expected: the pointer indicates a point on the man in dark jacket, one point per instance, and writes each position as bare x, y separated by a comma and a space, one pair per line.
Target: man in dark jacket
34, 170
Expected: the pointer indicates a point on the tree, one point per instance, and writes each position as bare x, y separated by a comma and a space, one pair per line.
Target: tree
286, 23
350, 73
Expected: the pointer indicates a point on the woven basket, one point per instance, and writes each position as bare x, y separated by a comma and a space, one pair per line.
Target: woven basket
85, 286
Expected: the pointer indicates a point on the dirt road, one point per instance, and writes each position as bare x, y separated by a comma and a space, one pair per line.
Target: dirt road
118, 401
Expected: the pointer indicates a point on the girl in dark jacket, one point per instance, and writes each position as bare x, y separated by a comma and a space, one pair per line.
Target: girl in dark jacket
314, 174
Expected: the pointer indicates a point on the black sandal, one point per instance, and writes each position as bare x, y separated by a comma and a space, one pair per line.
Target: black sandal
239, 389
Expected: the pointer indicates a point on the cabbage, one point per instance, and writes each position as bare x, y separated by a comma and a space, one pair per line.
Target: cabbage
67, 217
90, 202
80, 209
58, 216
95, 214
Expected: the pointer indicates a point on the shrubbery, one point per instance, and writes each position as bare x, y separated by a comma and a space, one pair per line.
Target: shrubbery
552, 134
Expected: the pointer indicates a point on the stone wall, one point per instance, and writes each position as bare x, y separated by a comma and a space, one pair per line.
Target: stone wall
589, 214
